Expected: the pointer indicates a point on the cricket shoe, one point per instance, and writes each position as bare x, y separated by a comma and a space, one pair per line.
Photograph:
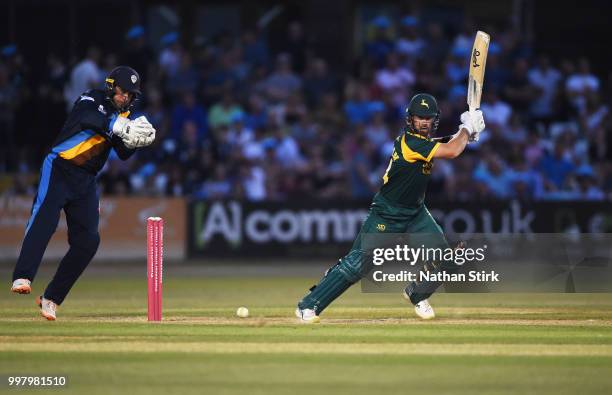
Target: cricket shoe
423, 309
307, 316
47, 308
22, 286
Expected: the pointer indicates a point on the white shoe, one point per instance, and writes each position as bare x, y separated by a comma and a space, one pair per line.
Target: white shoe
307, 315
22, 286
424, 310
47, 308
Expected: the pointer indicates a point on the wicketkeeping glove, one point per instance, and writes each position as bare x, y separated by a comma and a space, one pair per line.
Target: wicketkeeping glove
134, 133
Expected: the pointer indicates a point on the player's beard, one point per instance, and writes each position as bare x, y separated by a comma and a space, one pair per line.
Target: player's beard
411, 128
122, 108
424, 131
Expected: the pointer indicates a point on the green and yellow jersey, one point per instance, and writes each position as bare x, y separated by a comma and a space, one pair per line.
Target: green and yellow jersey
405, 180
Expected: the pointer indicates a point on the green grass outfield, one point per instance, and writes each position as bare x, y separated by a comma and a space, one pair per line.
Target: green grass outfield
366, 343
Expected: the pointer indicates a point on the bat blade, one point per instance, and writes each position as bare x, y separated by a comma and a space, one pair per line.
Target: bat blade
478, 61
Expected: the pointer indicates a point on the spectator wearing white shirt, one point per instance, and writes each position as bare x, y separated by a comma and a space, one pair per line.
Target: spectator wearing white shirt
170, 56
253, 179
409, 44
546, 79
283, 82
239, 134
395, 80
516, 132
287, 151
595, 114
495, 110
255, 149
580, 83
85, 75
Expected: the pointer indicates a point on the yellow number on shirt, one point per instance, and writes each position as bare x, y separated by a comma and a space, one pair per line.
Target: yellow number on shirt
394, 157
386, 176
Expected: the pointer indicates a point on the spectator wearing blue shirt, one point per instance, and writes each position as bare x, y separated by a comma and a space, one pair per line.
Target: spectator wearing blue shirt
218, 187
381, 45
357, 107
189, 110
556, 168
255, 49
220, 79
358, 163
257, 115
587, 184
494, 178
186, 78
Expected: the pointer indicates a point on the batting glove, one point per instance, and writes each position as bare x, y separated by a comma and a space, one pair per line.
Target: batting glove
474, 123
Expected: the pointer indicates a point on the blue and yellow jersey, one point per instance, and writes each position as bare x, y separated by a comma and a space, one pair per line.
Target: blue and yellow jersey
86, 138
405, 180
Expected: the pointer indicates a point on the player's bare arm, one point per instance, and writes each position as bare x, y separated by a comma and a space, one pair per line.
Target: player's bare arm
455, 146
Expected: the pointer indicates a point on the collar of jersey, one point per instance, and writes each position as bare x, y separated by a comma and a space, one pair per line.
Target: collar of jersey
418, 136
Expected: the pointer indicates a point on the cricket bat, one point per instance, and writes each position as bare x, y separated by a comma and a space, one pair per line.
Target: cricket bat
478, 61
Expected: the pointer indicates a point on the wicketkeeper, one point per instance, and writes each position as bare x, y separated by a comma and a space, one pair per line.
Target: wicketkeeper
399, 205
99, 121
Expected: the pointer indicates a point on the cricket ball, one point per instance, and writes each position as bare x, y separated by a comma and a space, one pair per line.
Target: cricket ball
242, 312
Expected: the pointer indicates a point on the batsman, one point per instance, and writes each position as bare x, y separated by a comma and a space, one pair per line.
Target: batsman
98, 123
399, 205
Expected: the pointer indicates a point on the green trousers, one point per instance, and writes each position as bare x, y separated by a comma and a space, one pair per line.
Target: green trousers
382, 218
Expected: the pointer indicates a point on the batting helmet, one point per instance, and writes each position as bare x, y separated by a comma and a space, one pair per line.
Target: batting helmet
423, 105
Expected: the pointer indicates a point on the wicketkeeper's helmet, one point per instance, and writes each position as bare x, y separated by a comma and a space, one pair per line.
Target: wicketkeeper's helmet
127, 79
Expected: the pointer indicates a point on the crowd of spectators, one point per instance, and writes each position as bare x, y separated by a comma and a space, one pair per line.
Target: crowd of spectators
236, 119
